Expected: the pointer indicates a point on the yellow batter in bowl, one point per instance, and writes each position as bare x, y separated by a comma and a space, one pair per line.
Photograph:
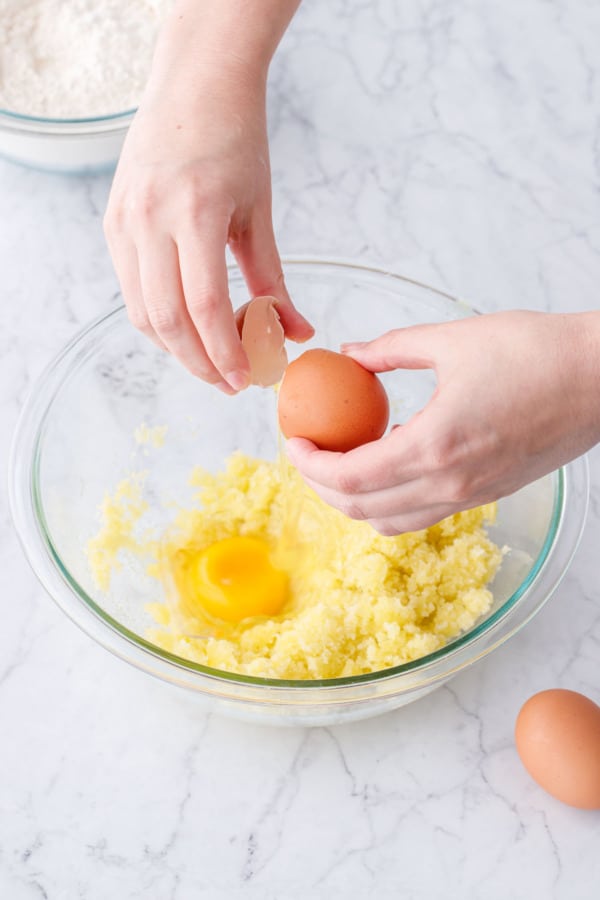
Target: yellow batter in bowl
349, 600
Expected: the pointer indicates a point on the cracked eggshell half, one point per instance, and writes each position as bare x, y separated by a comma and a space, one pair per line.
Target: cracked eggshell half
263, 340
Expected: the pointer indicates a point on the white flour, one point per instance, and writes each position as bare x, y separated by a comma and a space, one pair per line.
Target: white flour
76, 58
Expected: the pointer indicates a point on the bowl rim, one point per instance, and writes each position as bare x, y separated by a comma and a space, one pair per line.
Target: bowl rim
566, 525
16, 121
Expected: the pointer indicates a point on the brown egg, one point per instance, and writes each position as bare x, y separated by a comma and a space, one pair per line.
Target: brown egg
558, 739
332, 400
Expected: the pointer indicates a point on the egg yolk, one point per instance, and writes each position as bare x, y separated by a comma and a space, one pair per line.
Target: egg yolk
234, 579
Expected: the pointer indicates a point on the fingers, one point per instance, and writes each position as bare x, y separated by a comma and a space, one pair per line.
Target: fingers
366, 483
149, 270
205, 288
407, 507
175, 286
166, 309
124, 256
391, 483
258, 258
380, 465
394, 510
403, 348
412, 521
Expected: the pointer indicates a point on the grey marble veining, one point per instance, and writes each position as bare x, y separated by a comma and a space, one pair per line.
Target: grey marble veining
458, 144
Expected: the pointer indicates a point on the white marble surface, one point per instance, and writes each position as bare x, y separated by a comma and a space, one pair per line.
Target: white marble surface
458, 143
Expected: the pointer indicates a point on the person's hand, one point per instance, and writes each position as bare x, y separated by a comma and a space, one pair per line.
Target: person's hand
193, 177
517, 397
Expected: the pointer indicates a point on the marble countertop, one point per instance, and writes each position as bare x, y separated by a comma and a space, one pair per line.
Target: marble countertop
458, 144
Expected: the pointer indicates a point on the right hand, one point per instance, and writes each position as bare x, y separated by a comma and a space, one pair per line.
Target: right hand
516, 398
193, 177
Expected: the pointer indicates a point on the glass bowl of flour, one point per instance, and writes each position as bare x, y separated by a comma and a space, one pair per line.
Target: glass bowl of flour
71, 75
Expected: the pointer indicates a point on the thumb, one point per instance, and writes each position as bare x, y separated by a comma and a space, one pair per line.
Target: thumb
256, 253
403, 348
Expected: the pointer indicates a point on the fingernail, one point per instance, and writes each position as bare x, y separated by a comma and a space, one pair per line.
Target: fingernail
238, 379
289, 448
356, 345
295, 445
226, 388
310, 334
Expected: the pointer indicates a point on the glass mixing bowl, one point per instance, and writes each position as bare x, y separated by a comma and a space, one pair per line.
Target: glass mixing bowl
75, 441
70, 146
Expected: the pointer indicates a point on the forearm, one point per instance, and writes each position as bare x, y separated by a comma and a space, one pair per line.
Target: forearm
237, 36
580, 359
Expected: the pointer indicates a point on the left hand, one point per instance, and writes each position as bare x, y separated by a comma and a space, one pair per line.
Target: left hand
517, 397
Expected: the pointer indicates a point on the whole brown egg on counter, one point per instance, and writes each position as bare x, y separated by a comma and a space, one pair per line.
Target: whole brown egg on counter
558, 739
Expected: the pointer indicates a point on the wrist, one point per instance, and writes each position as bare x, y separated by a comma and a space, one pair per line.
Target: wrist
190, 68
206, 57
232, 40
